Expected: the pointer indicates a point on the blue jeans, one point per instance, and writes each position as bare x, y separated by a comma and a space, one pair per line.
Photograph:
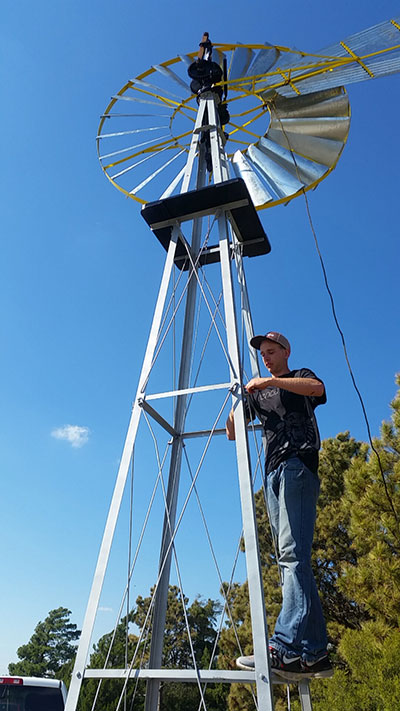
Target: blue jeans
292, 493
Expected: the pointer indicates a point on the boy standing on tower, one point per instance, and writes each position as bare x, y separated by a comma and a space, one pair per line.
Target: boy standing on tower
284, 403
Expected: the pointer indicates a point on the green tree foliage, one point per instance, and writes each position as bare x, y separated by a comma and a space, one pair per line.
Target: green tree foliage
371, 680
119, 649
201, 618
369, 677
50, 651
375, 526
113, 651
333, 545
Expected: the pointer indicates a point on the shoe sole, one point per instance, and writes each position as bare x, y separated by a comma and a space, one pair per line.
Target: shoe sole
321, 674
298, 676
243, 666
294, 676
291, 676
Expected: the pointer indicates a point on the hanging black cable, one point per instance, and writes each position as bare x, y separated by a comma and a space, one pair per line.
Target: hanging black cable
373, 448
389, 498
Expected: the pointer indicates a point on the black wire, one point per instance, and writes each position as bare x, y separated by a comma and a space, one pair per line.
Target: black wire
389, 498
373, 448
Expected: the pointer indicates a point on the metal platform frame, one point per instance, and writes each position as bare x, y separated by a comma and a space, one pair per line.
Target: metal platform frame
262, 677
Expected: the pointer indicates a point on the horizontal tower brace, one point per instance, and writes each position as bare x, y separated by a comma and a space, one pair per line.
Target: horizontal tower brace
188, 391
200, 213
214, 676
206, 433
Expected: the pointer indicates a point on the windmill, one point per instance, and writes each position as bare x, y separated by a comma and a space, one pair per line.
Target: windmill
261, 127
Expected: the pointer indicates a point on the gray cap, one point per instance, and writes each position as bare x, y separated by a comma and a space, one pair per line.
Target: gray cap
270, 336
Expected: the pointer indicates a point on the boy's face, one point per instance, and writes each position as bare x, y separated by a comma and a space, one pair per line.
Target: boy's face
275, 357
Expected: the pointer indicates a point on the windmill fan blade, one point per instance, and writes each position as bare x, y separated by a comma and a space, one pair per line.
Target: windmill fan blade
282, 181
304, 140
245, 168
263, 61
332, 102
304, 169
336, 129
241, 59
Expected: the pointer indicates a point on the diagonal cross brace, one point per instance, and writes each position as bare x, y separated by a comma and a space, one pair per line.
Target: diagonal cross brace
157, 417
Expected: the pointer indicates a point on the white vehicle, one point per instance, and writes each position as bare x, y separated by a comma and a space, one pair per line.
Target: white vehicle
30, 693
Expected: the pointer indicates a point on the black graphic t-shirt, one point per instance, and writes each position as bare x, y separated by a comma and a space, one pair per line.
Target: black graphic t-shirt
288, 421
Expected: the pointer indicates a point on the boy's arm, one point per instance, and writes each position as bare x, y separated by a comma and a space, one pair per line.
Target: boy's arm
230, 426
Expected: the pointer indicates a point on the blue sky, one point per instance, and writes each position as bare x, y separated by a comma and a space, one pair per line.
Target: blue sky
80, 272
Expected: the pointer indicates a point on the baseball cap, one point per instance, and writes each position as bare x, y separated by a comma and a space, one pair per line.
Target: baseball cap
270, 336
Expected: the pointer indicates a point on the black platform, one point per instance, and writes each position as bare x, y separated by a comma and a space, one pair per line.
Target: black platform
230, 195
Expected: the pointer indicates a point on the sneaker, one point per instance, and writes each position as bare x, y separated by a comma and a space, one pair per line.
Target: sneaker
291, 667
246, 663
321, 669
287, 667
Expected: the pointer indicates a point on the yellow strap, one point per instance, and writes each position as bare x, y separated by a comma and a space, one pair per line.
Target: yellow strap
361, 63
257, 116
288, 80
163, 99
397, 26
234, 140
249, 111
241, 128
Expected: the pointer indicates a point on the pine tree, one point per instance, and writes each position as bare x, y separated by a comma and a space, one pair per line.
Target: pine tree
370, 677
374, 499
333, 546
123, 647
50, 650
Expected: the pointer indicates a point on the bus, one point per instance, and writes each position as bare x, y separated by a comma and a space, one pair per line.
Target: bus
30, 693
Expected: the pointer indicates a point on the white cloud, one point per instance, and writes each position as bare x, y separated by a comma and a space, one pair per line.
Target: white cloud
105, 609
74, 434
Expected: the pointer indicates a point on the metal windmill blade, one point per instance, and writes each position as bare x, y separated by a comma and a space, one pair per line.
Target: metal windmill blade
303, 143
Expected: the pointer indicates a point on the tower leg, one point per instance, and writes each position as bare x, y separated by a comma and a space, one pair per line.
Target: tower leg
161, 597
105, 548
160, 605
245, 306
256, 593
305, 697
